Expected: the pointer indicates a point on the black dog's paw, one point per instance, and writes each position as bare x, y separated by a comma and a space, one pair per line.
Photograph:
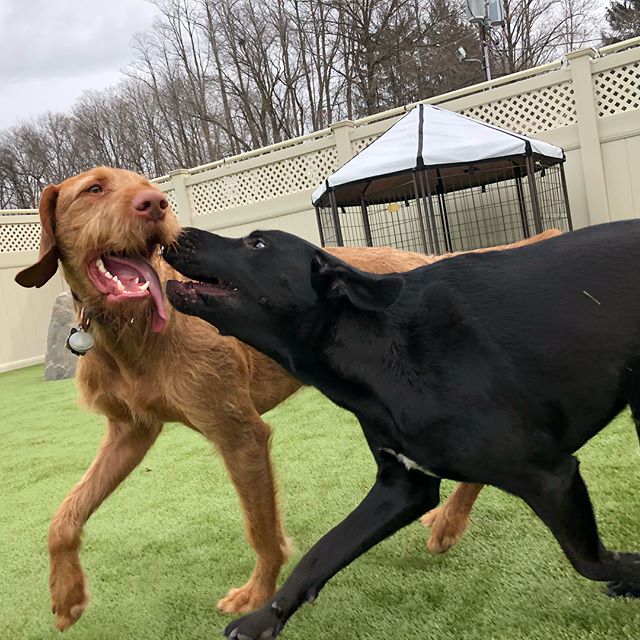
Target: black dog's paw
623, 590
631, 559
264, 624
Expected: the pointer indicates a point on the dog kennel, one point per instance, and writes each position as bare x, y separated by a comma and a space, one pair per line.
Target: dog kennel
438, 181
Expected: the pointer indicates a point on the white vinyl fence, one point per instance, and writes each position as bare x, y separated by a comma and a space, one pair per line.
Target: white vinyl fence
587, 103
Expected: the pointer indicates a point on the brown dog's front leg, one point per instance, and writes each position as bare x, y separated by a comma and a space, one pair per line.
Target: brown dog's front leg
123, 448
246, 456
449, 522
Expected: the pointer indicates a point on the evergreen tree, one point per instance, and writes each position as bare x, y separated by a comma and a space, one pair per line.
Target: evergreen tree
623, 19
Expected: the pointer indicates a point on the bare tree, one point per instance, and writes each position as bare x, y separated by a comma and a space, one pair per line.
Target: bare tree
538, 31
212, 78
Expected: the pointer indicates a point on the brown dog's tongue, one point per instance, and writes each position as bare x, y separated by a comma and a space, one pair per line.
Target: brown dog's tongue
159, 319
144, 268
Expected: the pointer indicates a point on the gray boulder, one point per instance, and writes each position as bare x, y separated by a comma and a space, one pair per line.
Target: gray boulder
59, 362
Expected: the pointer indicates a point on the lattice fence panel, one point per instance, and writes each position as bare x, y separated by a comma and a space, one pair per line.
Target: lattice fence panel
19, 237
274, 180
617, 90
171, 197
358, 145
532, 112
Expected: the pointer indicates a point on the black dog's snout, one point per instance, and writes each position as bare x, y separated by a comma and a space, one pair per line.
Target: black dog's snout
185, 247
192, 255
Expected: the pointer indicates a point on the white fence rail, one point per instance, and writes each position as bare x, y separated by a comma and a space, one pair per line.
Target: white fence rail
587, 103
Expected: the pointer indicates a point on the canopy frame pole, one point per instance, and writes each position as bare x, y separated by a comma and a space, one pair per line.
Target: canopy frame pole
521, 203
419, 210
425, 219
444, 216
365, 222
433, 228
531, 175
336, 218
320, 231
565, 191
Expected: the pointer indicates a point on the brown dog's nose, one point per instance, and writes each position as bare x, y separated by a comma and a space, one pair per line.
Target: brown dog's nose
150, 204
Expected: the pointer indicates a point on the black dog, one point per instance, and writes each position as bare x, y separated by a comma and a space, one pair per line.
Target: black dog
490, 368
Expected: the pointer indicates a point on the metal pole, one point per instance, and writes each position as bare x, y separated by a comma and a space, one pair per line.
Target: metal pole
319, 219
365, 222
485, 29
432, 214
423, 195
336, 218
444, 216
566, 196
533, 191
522, 206
419, 209
445, 223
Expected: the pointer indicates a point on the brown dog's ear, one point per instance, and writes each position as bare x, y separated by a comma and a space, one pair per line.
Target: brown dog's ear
335, 280
42, 271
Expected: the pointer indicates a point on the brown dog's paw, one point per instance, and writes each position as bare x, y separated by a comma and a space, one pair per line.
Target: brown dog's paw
246, 598
69, 597
446, 530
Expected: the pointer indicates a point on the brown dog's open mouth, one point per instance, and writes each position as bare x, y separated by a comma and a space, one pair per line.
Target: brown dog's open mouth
123, 278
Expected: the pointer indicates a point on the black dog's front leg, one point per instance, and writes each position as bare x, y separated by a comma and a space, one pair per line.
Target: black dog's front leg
398, 497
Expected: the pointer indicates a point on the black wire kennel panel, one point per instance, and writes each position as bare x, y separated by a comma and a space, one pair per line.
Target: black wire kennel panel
552, 197
397, 224
391, 224
482, 216
494, 208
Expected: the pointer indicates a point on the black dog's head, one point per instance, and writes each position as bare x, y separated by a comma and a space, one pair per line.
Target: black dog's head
271, 289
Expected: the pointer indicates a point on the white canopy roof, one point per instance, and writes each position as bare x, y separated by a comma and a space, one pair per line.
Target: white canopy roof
427, 137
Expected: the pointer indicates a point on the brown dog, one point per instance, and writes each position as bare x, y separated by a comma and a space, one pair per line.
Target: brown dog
152, 365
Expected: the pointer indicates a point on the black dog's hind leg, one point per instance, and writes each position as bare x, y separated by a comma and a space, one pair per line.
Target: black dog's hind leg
560, 498
398, 497
621, 589
635, 414
631, 391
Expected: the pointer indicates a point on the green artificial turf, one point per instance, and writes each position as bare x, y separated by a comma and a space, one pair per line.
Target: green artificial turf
169, 543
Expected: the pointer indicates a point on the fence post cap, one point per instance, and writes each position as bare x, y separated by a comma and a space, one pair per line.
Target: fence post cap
342, 123
579, 53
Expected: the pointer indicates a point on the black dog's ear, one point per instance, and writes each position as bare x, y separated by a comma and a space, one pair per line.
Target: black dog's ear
334, 280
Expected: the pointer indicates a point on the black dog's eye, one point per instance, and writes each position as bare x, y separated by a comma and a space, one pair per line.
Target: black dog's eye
95, 188
256, 243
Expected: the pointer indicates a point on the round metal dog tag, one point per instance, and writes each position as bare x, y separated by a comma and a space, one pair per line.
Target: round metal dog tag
79, 342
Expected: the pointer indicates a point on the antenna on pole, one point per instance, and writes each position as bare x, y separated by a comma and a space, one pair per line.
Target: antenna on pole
486, 14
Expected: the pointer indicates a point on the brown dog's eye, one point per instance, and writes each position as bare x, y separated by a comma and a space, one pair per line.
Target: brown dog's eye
95, 188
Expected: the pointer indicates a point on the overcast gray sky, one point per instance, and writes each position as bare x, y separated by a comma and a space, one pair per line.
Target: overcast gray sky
53, 50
